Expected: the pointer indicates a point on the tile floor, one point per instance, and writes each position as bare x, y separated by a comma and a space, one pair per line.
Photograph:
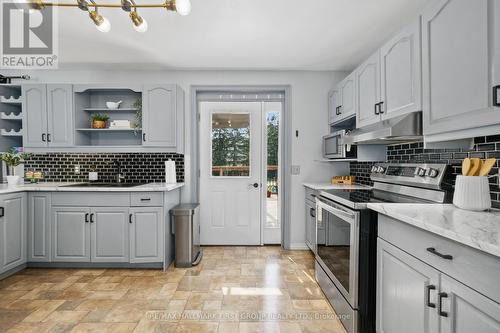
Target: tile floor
234, 289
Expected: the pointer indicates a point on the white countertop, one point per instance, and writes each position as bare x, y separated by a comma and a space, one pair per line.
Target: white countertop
329, 186
480, 230
62, 187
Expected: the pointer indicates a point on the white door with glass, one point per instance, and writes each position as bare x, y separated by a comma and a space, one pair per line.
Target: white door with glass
230, 174
238, 189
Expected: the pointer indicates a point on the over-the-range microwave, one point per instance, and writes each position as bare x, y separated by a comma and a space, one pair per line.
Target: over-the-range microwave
333, 148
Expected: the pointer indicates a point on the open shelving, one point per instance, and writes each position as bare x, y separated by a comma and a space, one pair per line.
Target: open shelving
93, 100
11, 126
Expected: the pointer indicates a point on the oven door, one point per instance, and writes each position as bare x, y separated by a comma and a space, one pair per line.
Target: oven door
338, 253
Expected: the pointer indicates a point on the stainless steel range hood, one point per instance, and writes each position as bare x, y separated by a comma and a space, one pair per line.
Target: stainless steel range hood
404, 128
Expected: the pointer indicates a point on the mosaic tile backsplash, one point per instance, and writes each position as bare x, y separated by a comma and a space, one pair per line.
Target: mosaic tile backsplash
136, 167
484, 147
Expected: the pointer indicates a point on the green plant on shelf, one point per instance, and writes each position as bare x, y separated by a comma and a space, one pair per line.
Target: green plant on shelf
99, 120
138, 115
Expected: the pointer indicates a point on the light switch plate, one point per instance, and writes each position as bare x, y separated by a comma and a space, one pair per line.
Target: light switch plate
93, 176
295, 170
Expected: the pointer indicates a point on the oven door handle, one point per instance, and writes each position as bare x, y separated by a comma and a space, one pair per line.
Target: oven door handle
335, 211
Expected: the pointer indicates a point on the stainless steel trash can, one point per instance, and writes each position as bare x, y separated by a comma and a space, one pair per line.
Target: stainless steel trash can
186, 219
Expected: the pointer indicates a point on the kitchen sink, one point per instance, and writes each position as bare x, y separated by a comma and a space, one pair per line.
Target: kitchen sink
104, 185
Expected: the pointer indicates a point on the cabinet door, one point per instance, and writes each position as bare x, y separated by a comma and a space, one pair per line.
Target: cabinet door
347, 100
35, 115
310, 211
109, 234
333, 103
159, 115
368, 91
70, 234
465, 310
12, 231
495, 46
456, 59
403, 294
401, 73
39, 205
146, 235
60, 115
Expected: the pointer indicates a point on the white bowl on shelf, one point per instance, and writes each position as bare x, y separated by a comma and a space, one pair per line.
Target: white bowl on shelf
113, 105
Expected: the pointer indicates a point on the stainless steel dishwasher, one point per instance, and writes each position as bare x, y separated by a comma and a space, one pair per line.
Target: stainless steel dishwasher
186, 219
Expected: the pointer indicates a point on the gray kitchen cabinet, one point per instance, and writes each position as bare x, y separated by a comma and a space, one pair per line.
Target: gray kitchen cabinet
48, 115
333, 106
35, 115
39, 215
163, 116
311, 226
460, 49
368, 91
109, 234
346, 90
12, 231
401, 73
405, 288
465, 310
71, 234
146, 234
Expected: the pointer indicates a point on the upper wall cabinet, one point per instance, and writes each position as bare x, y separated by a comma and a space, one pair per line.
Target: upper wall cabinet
163, 119
368, 91
461, 69
341, 100
48, 115
388, 84
333, 106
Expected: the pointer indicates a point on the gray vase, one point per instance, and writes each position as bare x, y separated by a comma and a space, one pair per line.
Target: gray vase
11, 170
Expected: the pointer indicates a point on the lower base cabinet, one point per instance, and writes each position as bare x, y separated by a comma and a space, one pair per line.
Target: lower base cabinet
13, 231
71, 234
414, 297
109, 235
146, 234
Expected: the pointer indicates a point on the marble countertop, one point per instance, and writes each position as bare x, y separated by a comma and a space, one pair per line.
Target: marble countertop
62, 187
480, 230
329, 186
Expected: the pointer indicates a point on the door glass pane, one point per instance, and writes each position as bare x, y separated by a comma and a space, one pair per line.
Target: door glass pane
230, 145
273, 181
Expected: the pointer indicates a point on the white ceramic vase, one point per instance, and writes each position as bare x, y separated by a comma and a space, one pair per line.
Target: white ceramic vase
472, 193
13, 180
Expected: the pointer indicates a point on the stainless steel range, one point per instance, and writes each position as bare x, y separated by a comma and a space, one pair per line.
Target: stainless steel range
346, 251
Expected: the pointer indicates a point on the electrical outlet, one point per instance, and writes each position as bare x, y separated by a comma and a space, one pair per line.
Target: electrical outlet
77, 169
295, 170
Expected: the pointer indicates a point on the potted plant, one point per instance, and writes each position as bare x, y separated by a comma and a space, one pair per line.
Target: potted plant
99, 120
269, 190
12, 159
138, 115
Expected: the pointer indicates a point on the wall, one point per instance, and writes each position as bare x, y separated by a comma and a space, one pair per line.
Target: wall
135, 167
309, 91
484, 147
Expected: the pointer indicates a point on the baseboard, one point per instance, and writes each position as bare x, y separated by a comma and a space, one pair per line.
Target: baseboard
12, 271
298, 246
94, 265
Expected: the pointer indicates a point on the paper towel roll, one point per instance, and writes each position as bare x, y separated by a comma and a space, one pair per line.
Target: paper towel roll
170, 174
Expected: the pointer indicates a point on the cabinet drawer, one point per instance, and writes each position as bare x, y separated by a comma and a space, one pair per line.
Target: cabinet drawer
91, 199
146, 199
476, 269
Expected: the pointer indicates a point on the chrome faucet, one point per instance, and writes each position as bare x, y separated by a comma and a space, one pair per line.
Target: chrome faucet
119, 177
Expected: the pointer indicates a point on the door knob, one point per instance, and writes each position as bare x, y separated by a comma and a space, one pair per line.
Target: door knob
256, 185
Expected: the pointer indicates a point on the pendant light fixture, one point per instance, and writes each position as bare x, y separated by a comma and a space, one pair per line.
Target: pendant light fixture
183, 7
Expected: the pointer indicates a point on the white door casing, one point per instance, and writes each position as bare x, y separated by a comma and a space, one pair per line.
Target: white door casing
230, 206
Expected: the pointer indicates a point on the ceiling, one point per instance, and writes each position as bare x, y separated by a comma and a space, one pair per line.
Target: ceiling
236, 34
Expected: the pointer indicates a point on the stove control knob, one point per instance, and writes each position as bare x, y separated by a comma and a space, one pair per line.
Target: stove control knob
374, 169
417, 171
433, 173
421, 172
380, 169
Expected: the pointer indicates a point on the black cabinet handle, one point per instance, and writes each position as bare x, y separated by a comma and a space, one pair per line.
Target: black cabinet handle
312, 212
43, 137
380, 108
144, 137
92, 218
444, 256
495, 96
145, 199
48, 137
337, 110
130, 218
440, 309
2, 211
428, 300
87, 218
340, 109
376, 109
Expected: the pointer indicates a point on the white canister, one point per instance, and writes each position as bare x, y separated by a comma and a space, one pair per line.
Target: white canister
472, 193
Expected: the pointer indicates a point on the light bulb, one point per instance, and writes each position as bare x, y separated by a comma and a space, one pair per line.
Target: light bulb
142, 27
104, 26
183, 7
